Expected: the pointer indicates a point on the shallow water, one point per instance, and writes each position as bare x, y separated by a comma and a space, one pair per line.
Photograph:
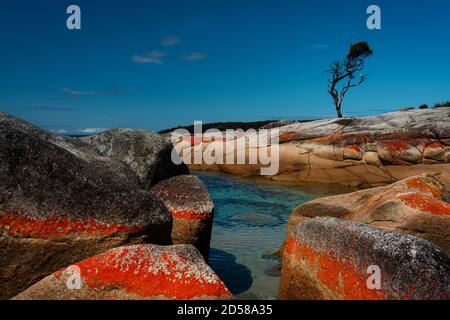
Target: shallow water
250, 222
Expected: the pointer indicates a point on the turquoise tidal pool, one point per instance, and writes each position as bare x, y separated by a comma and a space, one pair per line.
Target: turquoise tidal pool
250, 224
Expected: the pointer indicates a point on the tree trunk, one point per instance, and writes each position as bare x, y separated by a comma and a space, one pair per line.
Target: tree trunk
338, 111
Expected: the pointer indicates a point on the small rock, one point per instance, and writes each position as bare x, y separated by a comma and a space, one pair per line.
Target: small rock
192, 209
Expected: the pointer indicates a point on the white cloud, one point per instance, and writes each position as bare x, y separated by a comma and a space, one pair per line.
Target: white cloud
170, 40
60, 131
77, 93
92, 130
194, 56
154, 57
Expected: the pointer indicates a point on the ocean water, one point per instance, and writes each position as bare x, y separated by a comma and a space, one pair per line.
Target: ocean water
250, 224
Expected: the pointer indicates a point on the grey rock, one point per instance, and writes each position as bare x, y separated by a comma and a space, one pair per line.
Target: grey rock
411, 267
146, 153
61, 201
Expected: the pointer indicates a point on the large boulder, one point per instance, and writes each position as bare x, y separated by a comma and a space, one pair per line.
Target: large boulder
137, 272
418, 205
75, 146
368, 151
146, 153
57, 208
329, 258
192, 210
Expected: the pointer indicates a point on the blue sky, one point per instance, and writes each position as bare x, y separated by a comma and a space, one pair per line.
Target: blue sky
161, 63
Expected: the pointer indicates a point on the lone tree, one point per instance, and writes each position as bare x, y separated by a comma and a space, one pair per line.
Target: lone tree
348, 73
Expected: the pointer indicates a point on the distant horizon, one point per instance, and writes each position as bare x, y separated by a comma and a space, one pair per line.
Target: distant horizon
161, 64
73, 131
93, 131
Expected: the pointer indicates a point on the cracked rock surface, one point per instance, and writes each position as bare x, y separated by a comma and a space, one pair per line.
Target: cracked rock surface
367, 151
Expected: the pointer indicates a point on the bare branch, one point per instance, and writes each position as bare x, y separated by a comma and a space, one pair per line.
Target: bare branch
347, 69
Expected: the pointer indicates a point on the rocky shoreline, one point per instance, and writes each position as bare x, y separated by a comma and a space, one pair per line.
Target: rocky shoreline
366, 152
111, 216
402, 229
64, 200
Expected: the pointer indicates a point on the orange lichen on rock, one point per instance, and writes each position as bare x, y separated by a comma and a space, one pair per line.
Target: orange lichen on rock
331, 139
187, 199
328, 271
355, 286
396, 145
289, 136
426, 203
50, 228
340, 276
139, 271
422, 185
329, 258
355, 148
191, 215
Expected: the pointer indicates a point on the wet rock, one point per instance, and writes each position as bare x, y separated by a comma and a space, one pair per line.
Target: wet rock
141, 272
329, 258
192, 209
417, 205
58, 205
146, 153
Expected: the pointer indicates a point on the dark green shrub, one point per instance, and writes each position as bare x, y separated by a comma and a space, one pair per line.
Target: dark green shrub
442, 105
423, 106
